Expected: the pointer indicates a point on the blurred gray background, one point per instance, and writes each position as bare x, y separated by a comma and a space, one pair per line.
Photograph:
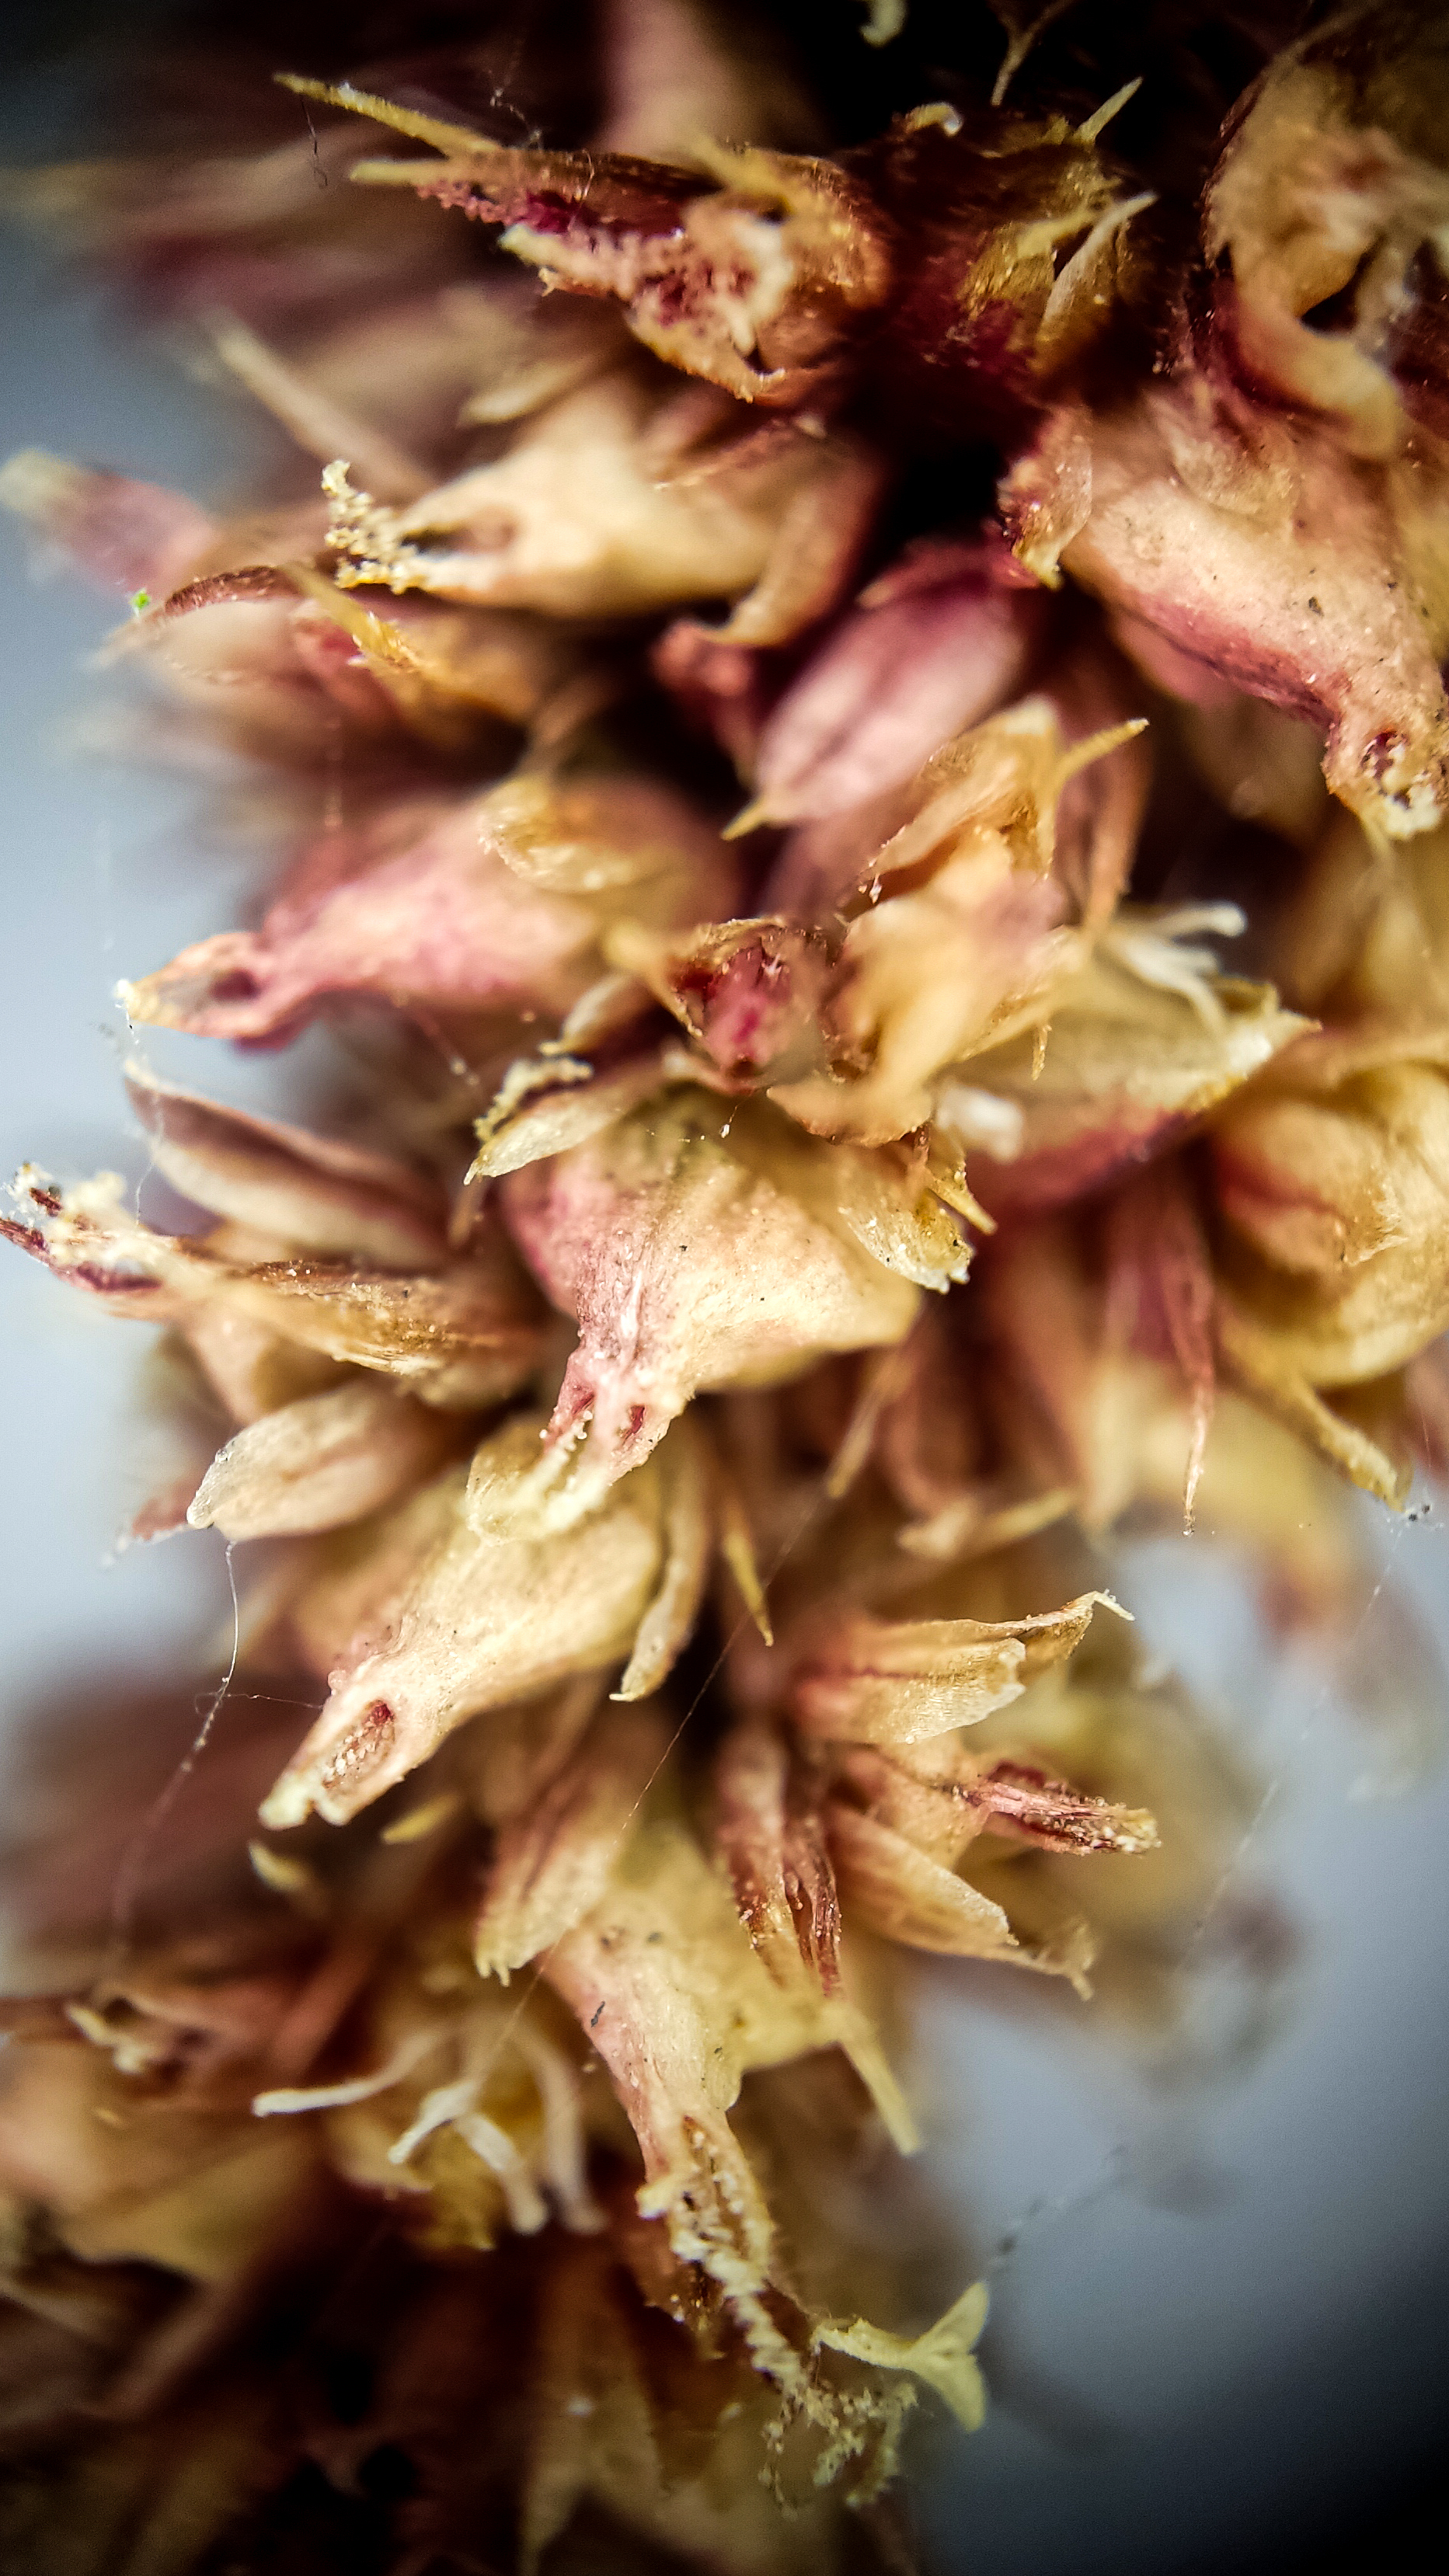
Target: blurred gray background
1220, 2327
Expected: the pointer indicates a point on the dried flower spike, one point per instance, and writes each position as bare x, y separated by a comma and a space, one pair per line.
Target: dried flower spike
787, 650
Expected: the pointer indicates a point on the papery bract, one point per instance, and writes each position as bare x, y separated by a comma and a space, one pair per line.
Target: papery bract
464, 1335
496, 1611
697, 1250
493, 903
1235, 545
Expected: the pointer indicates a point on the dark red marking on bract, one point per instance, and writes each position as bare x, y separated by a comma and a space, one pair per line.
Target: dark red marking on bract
1382, 752
250, 581
363, 1749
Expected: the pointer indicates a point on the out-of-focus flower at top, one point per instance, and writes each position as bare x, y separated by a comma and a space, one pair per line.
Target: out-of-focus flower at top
1330, 208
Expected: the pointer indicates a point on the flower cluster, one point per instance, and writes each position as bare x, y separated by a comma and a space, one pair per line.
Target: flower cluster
795, 660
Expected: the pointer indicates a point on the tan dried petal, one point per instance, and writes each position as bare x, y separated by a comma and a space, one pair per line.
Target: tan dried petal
576, 520
1128, 1062
552, 1864
548, 1104
933, 973
323, 1196
321, 1461
462, 1337
1314, 203
872, 1681
897, 1890
489, 1616
1347, 1196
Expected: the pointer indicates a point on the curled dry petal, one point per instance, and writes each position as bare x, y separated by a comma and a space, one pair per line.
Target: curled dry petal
490, 904
873, 1681
552, 1864
489, 1615
323, 1196
547, 1104
931, 973
1320, 1175
460, 1337
1252, 549
320, 1461
1344, 1198
702, 1246
924, 982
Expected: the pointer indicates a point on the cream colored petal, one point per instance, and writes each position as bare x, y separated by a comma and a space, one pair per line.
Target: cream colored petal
485, 1620
865, 1680
325, 1197
900, 1892
688, 1535
553, 1864
319, 1462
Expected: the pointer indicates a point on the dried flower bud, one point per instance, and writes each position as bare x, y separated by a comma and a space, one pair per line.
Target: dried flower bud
502, 1605
701, 1247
